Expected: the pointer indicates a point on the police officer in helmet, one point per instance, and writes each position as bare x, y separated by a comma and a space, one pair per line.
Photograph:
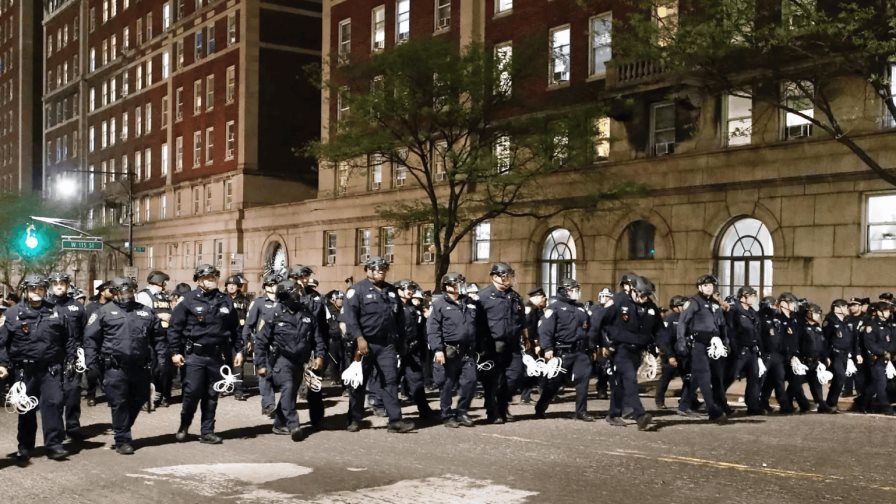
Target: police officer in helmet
35, 342
314, 302
154, 296
262, 308
374, 321
203, 335
233, 286
119, 339
60, 287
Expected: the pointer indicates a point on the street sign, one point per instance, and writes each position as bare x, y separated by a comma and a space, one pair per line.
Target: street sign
236, 264
82, 243
130, 272
139, 248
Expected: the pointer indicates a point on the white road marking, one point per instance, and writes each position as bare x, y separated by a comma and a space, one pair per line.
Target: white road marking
448, 489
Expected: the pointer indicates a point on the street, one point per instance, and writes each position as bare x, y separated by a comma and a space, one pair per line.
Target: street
803, 458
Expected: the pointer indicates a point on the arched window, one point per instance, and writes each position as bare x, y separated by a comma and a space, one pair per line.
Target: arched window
275, 259
558, 259
744, 257
640, 236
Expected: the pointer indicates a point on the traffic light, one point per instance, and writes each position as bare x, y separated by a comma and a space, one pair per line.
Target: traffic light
32, 241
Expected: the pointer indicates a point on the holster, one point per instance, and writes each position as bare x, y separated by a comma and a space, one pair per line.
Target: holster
451, 351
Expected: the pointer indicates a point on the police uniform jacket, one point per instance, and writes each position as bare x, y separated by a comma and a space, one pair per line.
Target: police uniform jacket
206, 318
746, 327
124, 331
41, 334
261, 308
533, 315
241, 305
812, 343
665, 338
73, 311
650, 321
314, 303
452, 322
789, 330
335, 332
622, 322
564, 326
879, 338
703, 319
292, 331
505, 313
839, 335
372, 312
414, 328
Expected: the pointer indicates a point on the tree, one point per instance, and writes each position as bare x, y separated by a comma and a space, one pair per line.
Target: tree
792, 56
453, 124
27, 246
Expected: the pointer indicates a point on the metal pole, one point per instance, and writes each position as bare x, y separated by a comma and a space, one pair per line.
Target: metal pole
130, 220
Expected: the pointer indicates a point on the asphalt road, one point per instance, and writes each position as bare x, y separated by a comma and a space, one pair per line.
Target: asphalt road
804, 458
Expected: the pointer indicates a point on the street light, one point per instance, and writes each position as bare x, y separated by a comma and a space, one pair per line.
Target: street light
67, 187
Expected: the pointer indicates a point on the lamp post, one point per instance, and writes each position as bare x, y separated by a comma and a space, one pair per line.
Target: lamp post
70, 188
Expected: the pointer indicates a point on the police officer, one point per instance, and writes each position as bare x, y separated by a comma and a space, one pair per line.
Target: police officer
563, 334
203, 334
795, 350
92, 376
602, 366
665, 342
374, 321
336, 351
775, 357
413, 355
746, 329
262, 308
880, 347
60, 284
35, 342
284, 344
119, 339
701, 321
451, 331
154, 296
314, 302
815, 350
840, 339
534, 311
233, 286
505, 316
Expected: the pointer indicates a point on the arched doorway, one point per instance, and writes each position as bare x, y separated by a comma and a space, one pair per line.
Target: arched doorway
558, 259
275, 258
744, 257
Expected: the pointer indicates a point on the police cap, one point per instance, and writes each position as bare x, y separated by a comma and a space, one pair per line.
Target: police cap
271, 279
285, 288
707, 279
677, 301
644, 286
566, 285
235, 280
627, 278
335, 294
407, 284
103, 286
536, 292
59, 276
34, 281
787, 297
854, 301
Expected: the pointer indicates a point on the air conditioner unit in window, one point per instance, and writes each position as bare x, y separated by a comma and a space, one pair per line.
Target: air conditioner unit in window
399, 182
331, 259
428, 257
229, 154
379, 45
375, 186
559, 77
390, 258
799, 131
441, 176
403, 37
662, 149
364, 257
444, 23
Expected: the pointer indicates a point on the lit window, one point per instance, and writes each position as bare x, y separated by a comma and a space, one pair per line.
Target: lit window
378, 28
443, 15
209, 92
601, 38
738, 120
376, 172
387, 243
482, 237
666, 19
345, 38
329, 248
402, 20
880, 223
230, 93
503, 63
364, 244
601, 139
798, 96
197, 148
230, 140
502, 154
179, 154
662, 128
559, 55
209, 145
427, 244
503, 6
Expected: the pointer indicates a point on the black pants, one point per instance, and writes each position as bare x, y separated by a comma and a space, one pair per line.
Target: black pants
578, 370
838, 368
383, 359
775, 375
127, 389
702, 378
501, 381
626, 361
286, 377
200, 375
747, 362
71, 392
876, 389
45, 383
457, 372
412, 371
667, 372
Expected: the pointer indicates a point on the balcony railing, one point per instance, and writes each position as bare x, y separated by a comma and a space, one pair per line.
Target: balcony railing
634, 73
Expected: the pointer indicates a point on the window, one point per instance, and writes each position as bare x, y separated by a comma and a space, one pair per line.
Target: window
228, 194
363, 245
148, 73
147, 163
662, 128
503, 6
345, 38
218, 248
139, 78
210, 37
744, 257
502, 154
197, 55
188, 255
197, 148
197, 96
209, 145
329, 248
147, 208
560, 146
798, 97
138, 32
91, 58
601, 38
440, 165
149, 26
387, 243
91, 179
178, 203
375, 170
558, 259
164, 120
443, 15
601, 139
113, 131
230, 93
148, 116
890, 120
179, 154
197, 200
880, 223
402, 20
209, 92
342, 172
92, 99
230, 141
138, 121
640, 237
197, 246
179, 104
178, 54
125, 39
113, 47
482, 237
559, 58
231, 28
378, 28
342, 106
170, 255
124, 166
666, 19
125, 83
166, 16
163, 160
503, 63
208, 198
166, 64
138, 165
399, 172
104, 135
113, 9
738, 120
427, 244
163, 206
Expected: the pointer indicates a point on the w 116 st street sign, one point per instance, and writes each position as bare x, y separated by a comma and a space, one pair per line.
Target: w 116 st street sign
82, 243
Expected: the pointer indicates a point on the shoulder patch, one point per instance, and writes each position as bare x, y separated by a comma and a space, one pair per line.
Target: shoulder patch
868, 329
686, 304
72, 308
142, 313
225, 310
824, 324
92, 319
350, 294
548, 312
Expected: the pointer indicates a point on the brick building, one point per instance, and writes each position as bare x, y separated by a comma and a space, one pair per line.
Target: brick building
202, 102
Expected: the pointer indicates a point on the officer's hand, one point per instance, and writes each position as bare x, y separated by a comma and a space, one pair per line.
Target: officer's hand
604, 352
238, 360
887, 356
673, 362
595, 355
440, 358
178, 360
249, 346
859, 359
261, 372
363, 349
537, 349
548, 355
317, 363
3, 372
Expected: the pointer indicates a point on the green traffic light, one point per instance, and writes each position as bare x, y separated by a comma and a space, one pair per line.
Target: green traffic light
31, 240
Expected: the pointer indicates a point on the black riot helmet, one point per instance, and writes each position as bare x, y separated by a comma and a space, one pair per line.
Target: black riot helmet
453, 279
286, 288
566, 286
502, 270
34, 282
707, 279
271, 279
376, 263
205, 270
643, 286
300, 271
157, 278
59, 276
746, 290
677, 301
627, 278
335, 294
122, 284
407, 284
235, 280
